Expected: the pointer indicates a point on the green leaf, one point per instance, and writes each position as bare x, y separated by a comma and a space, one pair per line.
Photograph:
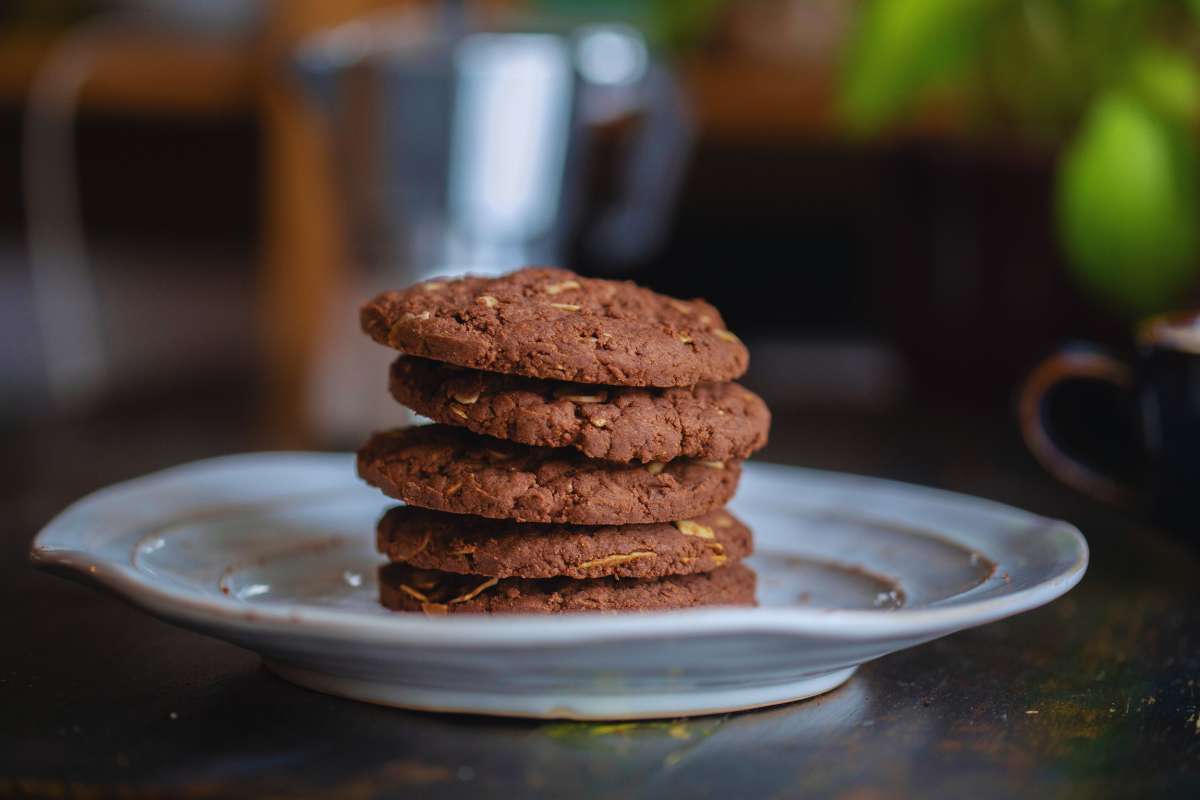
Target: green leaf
900, 48
1127, 204
1168, 81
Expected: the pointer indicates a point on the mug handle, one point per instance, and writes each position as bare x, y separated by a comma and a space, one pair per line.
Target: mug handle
1075, 363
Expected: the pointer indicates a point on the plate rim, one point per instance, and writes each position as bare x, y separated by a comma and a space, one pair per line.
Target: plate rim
843, 625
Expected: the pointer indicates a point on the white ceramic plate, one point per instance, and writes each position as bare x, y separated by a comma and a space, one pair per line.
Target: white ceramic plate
274, 552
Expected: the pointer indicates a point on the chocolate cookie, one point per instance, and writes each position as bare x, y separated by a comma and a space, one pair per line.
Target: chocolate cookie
710, 421
406, 588
503, 549
451, 469
551, 323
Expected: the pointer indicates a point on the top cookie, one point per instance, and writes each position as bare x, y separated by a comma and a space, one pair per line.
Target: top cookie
551, 323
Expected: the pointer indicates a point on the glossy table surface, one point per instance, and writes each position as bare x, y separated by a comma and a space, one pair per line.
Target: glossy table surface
1096, 695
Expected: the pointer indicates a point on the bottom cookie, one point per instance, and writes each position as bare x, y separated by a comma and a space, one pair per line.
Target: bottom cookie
406, 588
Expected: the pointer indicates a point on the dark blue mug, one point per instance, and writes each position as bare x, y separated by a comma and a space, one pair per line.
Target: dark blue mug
1126, 433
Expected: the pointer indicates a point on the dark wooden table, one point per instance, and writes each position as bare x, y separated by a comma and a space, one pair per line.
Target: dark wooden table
1095, 695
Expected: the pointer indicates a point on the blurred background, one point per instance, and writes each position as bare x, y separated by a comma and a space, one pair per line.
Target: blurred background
900, 205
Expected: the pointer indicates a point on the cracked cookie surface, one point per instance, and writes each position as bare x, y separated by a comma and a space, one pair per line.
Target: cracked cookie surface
710, 421
454, 470
551, 323
406, 588
502, 549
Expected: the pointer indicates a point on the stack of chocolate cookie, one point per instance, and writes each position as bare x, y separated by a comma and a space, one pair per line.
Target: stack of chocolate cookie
587, 437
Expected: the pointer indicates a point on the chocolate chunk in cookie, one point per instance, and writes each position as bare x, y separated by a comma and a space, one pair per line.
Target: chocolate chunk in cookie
551, 323
454, 470
708, 421
503, 549
406, 588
